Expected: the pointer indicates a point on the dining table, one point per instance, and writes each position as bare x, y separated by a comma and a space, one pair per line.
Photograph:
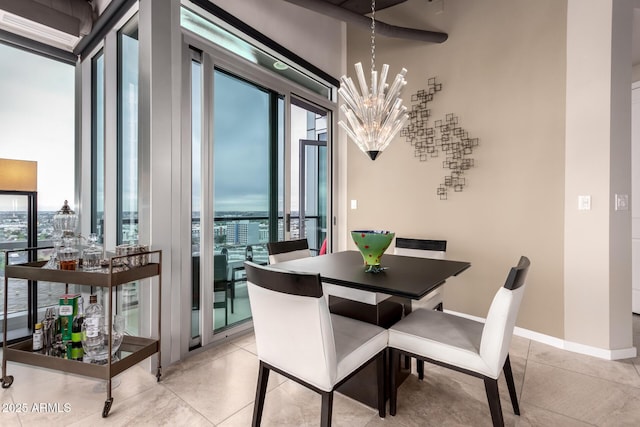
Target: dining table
381, 298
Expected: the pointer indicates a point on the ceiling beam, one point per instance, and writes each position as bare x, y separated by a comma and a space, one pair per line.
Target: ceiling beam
382, 28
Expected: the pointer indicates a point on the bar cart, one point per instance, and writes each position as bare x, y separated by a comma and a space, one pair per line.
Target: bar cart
118, 271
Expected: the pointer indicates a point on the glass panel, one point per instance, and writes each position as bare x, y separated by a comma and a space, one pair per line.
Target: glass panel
127, 295
97, 146
241, 191
252, 53
196, 191
315, 195
128, 133
281, 171
13, 235
309, 168
38, 124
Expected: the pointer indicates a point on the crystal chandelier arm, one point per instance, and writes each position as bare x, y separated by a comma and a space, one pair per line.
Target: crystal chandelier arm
396, 89
348, 99
352, 135
383, 79
363, 83
393, 115
397, 126
374, 83
356, 99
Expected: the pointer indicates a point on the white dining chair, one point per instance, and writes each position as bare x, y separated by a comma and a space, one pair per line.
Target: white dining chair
297, 337
423, 248
465, 345
288, 250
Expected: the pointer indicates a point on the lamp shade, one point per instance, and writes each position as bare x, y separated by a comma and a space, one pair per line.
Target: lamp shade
18, 175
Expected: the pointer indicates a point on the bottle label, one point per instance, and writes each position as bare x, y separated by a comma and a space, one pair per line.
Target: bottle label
37, 341
66, 310
76, 353
76, 336
93, 326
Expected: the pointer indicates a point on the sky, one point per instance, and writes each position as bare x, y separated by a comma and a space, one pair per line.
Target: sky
37, 122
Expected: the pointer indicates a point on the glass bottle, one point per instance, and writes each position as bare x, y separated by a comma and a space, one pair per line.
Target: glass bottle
93, 329
69, 254
65, 220
77, 350
37, 337
92, 256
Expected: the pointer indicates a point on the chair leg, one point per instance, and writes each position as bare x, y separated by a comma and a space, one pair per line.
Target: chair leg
261, 391
381, 362
420, 367
327, 408
491, 387
420, 363
508, 376
393, 392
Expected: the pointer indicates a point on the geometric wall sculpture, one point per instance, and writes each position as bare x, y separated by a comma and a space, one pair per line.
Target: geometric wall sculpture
444, 138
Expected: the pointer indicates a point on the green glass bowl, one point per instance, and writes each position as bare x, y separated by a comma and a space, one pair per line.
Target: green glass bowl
372, 244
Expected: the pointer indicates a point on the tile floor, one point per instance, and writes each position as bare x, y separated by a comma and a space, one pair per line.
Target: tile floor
216, 388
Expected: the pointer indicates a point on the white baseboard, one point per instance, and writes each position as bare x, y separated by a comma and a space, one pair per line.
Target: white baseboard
625, 353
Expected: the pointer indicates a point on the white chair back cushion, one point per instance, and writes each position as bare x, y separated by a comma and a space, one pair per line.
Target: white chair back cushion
498, 328
288, 256
294, 333
419, 253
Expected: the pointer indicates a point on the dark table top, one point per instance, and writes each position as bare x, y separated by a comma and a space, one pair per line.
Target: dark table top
405, 276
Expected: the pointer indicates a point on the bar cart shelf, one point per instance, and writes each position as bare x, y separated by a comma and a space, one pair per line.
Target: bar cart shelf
132, 350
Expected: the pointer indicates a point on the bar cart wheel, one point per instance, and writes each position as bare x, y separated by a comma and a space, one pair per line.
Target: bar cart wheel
158, 375
7, 381
107, 407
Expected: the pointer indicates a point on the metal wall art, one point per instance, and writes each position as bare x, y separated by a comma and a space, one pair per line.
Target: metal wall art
444, 136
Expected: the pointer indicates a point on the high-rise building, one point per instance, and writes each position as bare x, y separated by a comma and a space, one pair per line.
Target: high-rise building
243, 233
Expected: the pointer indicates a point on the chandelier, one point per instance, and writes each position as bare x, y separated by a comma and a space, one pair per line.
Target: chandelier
375, 115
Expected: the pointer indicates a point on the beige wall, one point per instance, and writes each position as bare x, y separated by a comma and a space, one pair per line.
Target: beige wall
598, 163
503, 73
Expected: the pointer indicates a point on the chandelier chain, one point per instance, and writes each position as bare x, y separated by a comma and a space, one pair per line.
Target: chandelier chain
373, 35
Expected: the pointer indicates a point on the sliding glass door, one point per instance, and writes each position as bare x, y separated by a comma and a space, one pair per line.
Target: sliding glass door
309, 174
258, 173
243, 134
236, 132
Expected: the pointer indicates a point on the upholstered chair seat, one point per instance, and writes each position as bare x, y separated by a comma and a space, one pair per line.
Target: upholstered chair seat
474, 348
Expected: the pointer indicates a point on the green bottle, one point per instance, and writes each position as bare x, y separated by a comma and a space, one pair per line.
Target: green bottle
76, 332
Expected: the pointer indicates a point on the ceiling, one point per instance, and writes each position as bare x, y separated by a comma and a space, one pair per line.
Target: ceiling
347, 10
363, 7
354, 12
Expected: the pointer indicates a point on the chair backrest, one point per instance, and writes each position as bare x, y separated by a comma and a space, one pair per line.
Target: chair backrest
292, 324
220, 268
288, 250
501, 319
423, 248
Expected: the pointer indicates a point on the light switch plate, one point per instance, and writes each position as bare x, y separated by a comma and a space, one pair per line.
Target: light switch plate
622, 202
354, 204
584, 203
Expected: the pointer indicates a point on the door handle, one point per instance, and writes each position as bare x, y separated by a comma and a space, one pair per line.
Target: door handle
287, 222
